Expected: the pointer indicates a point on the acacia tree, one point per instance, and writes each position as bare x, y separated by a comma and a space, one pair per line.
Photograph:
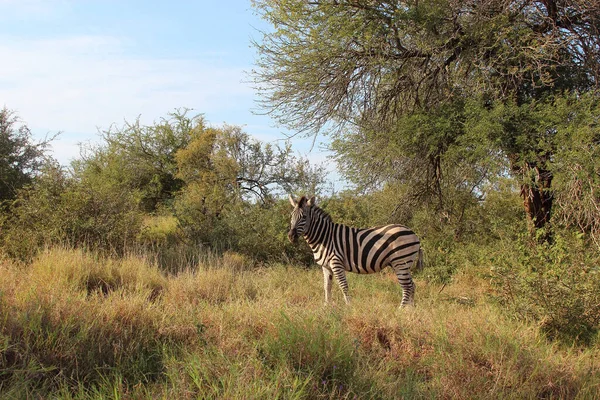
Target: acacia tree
142, 157
20, 157
367, 65
226, 173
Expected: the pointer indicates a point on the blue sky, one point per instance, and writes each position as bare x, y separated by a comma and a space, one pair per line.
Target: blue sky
78, 66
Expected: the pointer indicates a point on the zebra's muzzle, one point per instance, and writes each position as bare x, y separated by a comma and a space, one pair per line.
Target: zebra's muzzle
293, 235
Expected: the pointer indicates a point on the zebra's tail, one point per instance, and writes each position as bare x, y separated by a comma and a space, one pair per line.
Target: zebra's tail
420, 260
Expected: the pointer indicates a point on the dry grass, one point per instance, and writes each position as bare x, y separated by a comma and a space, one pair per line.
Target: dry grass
78, 326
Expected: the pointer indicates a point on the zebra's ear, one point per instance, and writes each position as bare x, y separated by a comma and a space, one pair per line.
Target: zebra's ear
312, 201
292, 201
302, 202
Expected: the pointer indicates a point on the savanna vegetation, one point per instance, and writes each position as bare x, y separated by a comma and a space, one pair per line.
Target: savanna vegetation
157, 265
78, 325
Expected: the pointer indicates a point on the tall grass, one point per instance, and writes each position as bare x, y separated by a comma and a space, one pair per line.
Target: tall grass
76, 325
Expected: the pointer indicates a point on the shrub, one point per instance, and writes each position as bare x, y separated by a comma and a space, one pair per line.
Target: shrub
263, 234
58, 209
554, 284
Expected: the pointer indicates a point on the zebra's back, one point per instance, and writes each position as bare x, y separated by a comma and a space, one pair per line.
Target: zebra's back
369, 250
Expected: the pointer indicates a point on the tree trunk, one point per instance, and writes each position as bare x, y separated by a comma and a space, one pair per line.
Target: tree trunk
538, 197
536, 192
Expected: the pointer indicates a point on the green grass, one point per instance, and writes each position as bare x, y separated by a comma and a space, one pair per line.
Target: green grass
74, 325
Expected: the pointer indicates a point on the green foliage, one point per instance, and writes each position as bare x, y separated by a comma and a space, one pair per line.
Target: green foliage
100, 202
166, 188
159, 231
349, 209
360, 61
142, 157
34, 217
440, 96
90, 213
502, 214
20, 158
229, 178
553, 284
441, 163
576, 165
232, 164
263, 235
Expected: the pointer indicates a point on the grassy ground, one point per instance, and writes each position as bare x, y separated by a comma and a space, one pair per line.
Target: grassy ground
74, 325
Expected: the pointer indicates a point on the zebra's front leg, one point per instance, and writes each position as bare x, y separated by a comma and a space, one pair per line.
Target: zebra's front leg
340, 275
327, 278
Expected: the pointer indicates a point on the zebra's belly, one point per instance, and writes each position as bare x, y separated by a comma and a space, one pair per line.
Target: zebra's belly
360, 269
323, 258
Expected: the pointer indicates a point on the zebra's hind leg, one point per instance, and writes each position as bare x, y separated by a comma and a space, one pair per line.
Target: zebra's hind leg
408, 285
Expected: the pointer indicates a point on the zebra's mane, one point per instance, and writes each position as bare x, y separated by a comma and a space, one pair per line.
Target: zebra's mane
322, 213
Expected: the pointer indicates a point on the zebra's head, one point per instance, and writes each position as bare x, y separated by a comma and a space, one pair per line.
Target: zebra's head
300, 217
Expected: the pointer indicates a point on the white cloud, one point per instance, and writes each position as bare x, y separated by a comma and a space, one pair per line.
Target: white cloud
32, 9
80, 83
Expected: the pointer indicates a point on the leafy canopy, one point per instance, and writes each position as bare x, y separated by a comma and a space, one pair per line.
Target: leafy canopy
20, 158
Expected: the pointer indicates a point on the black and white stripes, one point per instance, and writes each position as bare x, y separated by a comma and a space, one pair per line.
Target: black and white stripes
339, 248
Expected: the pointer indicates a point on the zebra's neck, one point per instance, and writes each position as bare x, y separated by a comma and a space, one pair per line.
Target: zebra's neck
319, 229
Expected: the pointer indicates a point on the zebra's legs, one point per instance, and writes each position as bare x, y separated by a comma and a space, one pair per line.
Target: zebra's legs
327, 278
408, 286
340, 275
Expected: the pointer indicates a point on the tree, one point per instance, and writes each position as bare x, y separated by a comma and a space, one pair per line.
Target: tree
20, 157
224, 171
369, 65
142, 157
439, 157
576, 164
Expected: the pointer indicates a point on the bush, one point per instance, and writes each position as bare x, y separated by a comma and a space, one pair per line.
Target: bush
263, 234
553, 284
57, 209
576, 166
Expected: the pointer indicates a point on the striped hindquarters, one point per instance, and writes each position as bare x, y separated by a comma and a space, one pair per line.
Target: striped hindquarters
372, 249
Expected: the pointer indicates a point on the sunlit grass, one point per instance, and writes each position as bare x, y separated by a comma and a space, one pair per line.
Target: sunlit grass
76, 325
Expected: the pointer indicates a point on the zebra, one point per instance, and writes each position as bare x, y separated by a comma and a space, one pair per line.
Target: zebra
338, 248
